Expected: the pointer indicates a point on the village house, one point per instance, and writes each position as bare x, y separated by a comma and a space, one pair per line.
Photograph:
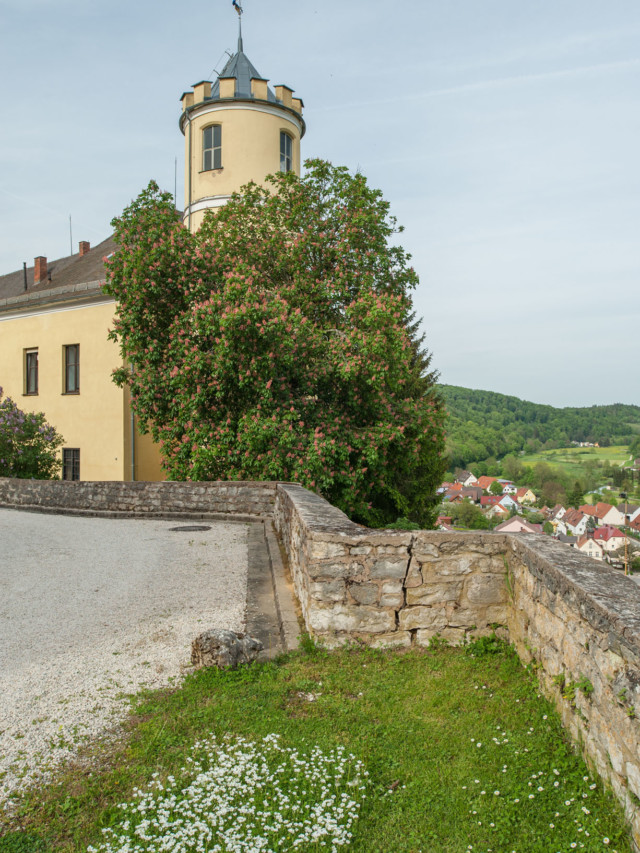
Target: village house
591, 547
524, 495
471, 493
574, 522
508, 488
609, 537
555, 515
632, 511
466, 478
485, 482
517, 524
603, 513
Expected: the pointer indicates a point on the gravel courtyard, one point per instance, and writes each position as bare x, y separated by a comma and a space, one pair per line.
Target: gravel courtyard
92, 609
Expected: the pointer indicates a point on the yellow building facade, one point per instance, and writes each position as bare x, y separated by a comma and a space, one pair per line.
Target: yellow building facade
55, 356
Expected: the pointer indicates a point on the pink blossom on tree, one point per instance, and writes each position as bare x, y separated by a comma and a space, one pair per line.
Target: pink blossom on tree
278, 343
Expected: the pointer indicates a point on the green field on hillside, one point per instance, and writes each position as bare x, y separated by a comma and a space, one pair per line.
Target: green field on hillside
573, 459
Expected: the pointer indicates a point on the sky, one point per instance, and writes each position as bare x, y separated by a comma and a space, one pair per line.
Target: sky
505, 135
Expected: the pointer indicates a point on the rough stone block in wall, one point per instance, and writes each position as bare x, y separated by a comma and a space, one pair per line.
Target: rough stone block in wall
351, 619
364, 593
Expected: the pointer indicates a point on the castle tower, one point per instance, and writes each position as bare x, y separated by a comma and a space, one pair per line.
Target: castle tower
236, 130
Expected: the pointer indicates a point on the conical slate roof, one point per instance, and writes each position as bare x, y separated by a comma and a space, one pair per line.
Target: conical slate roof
240, 67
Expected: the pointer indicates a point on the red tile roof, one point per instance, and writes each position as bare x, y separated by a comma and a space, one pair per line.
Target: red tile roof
573, 517
598, 511
484, 482
490, 500
607, 532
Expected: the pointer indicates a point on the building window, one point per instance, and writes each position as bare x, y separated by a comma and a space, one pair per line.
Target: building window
72, 369
71, 463
212, 147
286, 152
31, 371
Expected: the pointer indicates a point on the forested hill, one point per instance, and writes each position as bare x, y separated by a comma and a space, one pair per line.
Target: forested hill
483, 424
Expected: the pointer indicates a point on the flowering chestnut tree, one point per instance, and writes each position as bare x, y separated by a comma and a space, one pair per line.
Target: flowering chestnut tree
279, 343
28, 444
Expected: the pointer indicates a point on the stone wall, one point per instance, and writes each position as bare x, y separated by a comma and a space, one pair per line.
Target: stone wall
577, 622
202, 500
388, 588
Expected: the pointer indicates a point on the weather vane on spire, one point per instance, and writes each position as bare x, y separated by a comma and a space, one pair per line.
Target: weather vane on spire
238, 7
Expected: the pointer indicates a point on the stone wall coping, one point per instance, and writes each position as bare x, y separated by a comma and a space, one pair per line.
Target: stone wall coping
317, 514
605, 597
188, 485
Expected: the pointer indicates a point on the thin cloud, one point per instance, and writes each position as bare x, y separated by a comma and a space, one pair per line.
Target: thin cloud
486, 85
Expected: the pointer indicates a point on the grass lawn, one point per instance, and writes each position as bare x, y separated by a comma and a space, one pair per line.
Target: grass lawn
461, 752
573, 459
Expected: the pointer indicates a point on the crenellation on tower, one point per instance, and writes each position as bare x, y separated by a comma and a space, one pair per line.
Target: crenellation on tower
201, 91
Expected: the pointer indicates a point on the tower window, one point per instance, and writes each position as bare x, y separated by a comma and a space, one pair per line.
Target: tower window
31, 371
286, 152
212, 147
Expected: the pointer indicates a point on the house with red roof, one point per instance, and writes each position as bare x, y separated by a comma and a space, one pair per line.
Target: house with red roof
472, 493
574, 522
490, 500
498, 505
485, 482
524, 495
609, 537
603, 513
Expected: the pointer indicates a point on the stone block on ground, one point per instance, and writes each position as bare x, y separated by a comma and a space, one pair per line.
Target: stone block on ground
224, 649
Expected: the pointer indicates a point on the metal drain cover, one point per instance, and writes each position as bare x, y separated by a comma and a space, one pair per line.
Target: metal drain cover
191, 528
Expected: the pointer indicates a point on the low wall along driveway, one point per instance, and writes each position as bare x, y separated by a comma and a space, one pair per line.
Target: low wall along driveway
575, 620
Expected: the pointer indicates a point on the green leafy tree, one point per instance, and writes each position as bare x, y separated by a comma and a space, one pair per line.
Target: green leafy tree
575, 495
495, 488
466, 514
279, 343
547, 528
28, 444
513, 469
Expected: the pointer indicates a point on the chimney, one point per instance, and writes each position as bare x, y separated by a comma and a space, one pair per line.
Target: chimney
84, 247
39, 269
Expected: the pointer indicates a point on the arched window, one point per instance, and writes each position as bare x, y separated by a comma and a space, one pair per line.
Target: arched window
286, 152
212, 147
